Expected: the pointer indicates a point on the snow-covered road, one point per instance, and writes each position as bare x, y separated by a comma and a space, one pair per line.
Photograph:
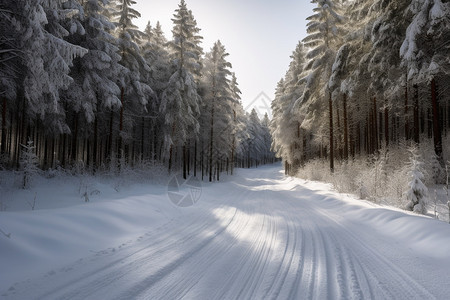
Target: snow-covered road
263, 236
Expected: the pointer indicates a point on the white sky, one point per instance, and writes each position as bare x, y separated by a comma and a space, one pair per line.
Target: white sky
259, 35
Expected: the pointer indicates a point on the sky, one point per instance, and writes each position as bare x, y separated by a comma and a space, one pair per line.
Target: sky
260, 36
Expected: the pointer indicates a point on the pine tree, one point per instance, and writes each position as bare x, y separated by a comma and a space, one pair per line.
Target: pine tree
417, 192
61, 22
323, 34
180, 101
218, 105
238, 115
94, 91
135, 93
424, 51
289, 136
10, 62
28, 164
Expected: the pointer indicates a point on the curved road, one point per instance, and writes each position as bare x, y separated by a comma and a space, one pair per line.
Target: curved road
253, 238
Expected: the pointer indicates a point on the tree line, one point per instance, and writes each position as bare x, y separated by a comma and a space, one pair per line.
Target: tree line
85, 86
370, 74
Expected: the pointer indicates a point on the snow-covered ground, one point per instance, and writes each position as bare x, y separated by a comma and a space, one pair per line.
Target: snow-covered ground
258, 235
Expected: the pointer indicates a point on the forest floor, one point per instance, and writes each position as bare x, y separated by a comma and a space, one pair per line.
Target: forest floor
256, 235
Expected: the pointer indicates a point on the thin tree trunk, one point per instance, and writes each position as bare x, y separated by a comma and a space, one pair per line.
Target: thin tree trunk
184, 162
345, 128
330, 102
110, 137
52, 154
142, 138
170, 158
171, 150
3, 141
195, 159
64, 151
338, 141
211, 142
416, 115
375, 125
94, 152
386, 125
75, 140
120, 150
188, 154
436, 128
406, 113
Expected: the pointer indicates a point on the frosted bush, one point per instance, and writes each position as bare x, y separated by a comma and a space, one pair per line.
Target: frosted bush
28, 164
383, 178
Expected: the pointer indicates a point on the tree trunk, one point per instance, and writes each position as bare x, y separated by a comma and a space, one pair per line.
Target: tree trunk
3, 141
170, 158
142, 139
188, 155
94, 151
416, 115
436, 128
110, 137
74, 154
330, 102
211, 143
184, 162
406, 113
120, 150
195, 159
386, 125
345, 128
52, 154
64, 151
338, 139
375, 125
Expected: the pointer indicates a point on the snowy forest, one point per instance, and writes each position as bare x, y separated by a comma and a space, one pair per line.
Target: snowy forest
365, 102
130, 168
81, 87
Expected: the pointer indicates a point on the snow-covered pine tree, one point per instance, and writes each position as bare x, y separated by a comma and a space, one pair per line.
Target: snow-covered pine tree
196, 40
289, 138
387, 76
28, 163
154, 49
135, 92
323, 41
180, 101
196, 69
267, 155
218, 105
10, 62
417, 193
45, 63
237, 123
351, 78
94, 92
255, 139
61, 22
425, 52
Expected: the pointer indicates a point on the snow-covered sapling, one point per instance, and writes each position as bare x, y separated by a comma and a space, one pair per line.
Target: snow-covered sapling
417, 192
435, 203
32, 204
28, 163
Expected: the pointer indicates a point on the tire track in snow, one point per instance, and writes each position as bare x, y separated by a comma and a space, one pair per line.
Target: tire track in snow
245, 280
394, 282
280, 243
179, 285
100, 278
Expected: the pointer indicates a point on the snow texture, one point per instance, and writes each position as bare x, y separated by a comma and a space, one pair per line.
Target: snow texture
259, 235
